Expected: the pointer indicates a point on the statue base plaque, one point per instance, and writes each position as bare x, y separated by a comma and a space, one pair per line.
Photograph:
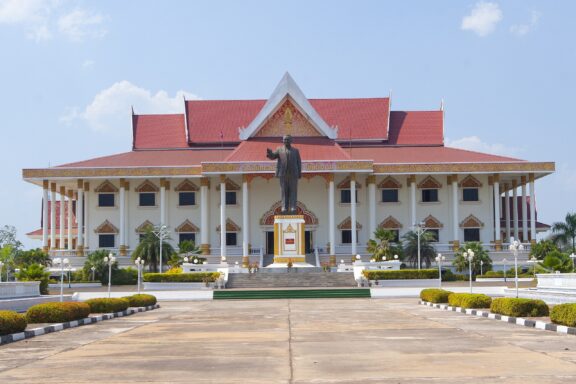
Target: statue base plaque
289, 242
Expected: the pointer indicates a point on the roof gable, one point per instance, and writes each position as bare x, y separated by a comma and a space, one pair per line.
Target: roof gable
287, 120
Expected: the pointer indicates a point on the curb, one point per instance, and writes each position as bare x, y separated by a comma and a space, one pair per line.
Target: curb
71, 324
507, 319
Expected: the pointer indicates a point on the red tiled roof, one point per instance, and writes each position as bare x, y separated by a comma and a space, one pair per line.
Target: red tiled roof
159, 131
405, 155
310, 148
174, 158
416, 128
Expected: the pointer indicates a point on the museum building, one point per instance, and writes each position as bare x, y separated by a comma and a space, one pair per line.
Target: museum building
204, 175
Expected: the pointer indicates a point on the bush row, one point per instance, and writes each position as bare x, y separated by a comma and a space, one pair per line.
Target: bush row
141, 300
469, 300
12, 322
193, 277
401, 274
107, 305
509, 306
564, 314
57, 312
435, 295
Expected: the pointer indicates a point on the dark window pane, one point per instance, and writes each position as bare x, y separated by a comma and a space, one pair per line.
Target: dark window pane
470, 194
346, 236
106, 241
471, 234
231, 238
231, 198
187, 198
186, 236
147, 199
105, 199
429, 195
389, 195
345, 196
435, 234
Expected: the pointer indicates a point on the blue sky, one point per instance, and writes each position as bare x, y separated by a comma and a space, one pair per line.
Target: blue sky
71, 69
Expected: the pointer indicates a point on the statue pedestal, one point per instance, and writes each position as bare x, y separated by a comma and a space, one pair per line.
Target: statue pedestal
289, 242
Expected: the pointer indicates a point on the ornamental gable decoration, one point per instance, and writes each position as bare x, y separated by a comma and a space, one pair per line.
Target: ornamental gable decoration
187, 227
186, 186
147, 186
106, 187
106, 227
230, 185
309, 216
432, 222
345, 184
470, 182
144, 227
429, 183
287, 120
230, 226
471, 222
390, 223
389, 183
346, 224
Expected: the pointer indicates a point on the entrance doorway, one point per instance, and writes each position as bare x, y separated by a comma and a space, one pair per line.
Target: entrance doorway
269, 242
308, 242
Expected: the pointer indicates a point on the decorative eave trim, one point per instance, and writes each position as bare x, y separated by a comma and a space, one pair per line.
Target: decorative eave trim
51, 173
443, 168
336, 166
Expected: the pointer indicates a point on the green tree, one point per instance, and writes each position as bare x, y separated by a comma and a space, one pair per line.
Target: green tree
149, 249
427, 251
564, 233
8, 237
557, 261
543, 248
35, 272
188, 246
7, 259
96, 260
32, 256
480, 255
383, 246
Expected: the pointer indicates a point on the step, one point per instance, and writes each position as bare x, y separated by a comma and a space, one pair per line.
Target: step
291, 294
281, 280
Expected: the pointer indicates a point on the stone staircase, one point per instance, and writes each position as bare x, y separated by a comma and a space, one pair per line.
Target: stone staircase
300, 277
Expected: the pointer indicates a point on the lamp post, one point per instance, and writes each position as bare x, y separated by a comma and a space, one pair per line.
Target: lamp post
139, 264
439, 259
572, 256
504, 261
110, 259
419, 229
1, 265
93, 269
514, 247
358, 258
161, 232
533, 260
469, 255
61, 263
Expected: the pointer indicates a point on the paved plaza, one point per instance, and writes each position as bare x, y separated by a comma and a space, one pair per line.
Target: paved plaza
293, 341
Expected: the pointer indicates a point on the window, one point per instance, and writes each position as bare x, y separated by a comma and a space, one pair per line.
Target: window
471, 234
105, 199
429, 195
435, 234
396, 232
230, 197
106, 241
470, 194
186, 237
186, 199
147, 199
345, 196
389, 195
231, 238
347, 236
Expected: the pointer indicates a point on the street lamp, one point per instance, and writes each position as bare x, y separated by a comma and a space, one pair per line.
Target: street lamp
469, 255
419, 229
61, 262
110, 259
439, 259
514, 247
93, 269
1, 265
572, 256
481, 264
534, 261
504, 261
161, 232
139, 264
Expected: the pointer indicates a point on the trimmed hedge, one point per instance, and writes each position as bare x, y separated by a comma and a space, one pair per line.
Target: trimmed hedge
57, 312
435, 295
193, 277
564, 314
469, 300
519, 307
12, 322
401, 274
107, 305
141, 300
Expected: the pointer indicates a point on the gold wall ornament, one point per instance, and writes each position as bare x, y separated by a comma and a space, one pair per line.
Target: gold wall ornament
144, 227
429, 182
187, 227
301, 211
231, 226
389, 183
523, 166
38, 173
346, 224
470, 182
287, 120
106, 227
432, 222
471, 222
147, 186
390, 223
107, 187
186, 186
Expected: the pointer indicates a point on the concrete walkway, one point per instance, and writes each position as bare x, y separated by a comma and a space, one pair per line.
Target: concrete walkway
293, 341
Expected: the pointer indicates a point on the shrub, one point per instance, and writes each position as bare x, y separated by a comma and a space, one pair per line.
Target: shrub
435, 295
107, 305
124, 276
564, 314
12, 322
469, 300
519, 307
57, 312
141, 300
35, 272
402, 274
193, 277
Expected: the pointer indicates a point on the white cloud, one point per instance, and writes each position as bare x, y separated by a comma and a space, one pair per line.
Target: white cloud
482, 19
43, 19
109, 111
523, 29
474, 143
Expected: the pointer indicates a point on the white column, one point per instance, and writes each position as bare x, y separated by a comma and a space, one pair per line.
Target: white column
515, 206
80, 216
353, 213
162, 202
371, 206
532, 209
455, 201
53, 216
222, 216
507, 210
122, 206
70, 195
204, 230
62, 216
245, 222
331, 219
496, 208
45, 203
412, 181
86, 214
524, 211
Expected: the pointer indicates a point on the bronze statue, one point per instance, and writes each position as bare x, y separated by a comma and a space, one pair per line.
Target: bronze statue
288, 170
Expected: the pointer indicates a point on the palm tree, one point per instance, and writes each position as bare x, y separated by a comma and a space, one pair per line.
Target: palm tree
382, 247
149, 248
565, 232
480, 255
427, 251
